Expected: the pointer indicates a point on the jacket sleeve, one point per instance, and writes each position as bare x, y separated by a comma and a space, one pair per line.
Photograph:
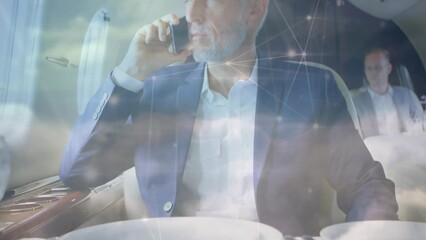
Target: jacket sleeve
416, 109
101, 142
363, 192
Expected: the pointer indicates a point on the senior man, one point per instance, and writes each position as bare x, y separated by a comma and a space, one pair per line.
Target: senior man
235, 134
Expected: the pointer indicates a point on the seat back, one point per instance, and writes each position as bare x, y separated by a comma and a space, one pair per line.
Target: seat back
401, 77
133, 202
343, 89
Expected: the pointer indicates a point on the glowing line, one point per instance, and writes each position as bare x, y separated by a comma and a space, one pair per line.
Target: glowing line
312, 26
267, 40
291, 85
288, 25
309, 86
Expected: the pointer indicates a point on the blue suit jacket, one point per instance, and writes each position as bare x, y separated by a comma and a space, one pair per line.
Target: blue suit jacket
303, 136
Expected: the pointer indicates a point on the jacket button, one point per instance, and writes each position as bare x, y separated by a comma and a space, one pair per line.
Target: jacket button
167, 206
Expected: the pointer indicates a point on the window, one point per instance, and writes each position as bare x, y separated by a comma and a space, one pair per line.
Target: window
18, 65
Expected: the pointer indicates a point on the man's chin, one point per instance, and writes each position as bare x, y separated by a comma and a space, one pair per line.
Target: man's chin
210, 55
208, 59
203, 56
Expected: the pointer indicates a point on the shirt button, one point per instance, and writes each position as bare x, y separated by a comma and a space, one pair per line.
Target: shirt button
95, 116
167, 206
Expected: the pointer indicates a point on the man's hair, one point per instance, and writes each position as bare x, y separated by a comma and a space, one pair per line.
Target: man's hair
377, 50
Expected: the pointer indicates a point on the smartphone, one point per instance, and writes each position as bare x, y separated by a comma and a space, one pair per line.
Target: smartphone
180, 36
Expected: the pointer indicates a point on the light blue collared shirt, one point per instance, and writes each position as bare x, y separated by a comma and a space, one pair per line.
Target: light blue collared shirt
388, 120
218, 176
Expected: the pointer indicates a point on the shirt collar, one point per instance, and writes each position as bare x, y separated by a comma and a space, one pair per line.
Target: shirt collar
206, 88
373, 94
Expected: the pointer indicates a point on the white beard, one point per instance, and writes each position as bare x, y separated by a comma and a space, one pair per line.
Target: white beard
220, 51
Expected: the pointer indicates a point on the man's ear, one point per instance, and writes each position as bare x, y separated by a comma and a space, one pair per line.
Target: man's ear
389, 68
256, 10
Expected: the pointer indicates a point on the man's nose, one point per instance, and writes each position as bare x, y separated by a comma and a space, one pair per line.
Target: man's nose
195, 11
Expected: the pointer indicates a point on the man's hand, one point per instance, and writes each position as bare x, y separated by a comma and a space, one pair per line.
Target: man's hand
150, 49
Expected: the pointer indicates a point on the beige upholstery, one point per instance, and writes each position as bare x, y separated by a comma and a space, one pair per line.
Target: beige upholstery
401, 77
134, 205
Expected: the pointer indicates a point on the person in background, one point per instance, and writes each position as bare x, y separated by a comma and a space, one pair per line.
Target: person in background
235, 134
384, 109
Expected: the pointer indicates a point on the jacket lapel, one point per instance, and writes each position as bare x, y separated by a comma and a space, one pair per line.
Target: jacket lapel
187, 99
267, 107
371, 114
400, 105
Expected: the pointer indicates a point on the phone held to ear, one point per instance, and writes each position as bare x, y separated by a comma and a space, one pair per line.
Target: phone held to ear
180, 36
